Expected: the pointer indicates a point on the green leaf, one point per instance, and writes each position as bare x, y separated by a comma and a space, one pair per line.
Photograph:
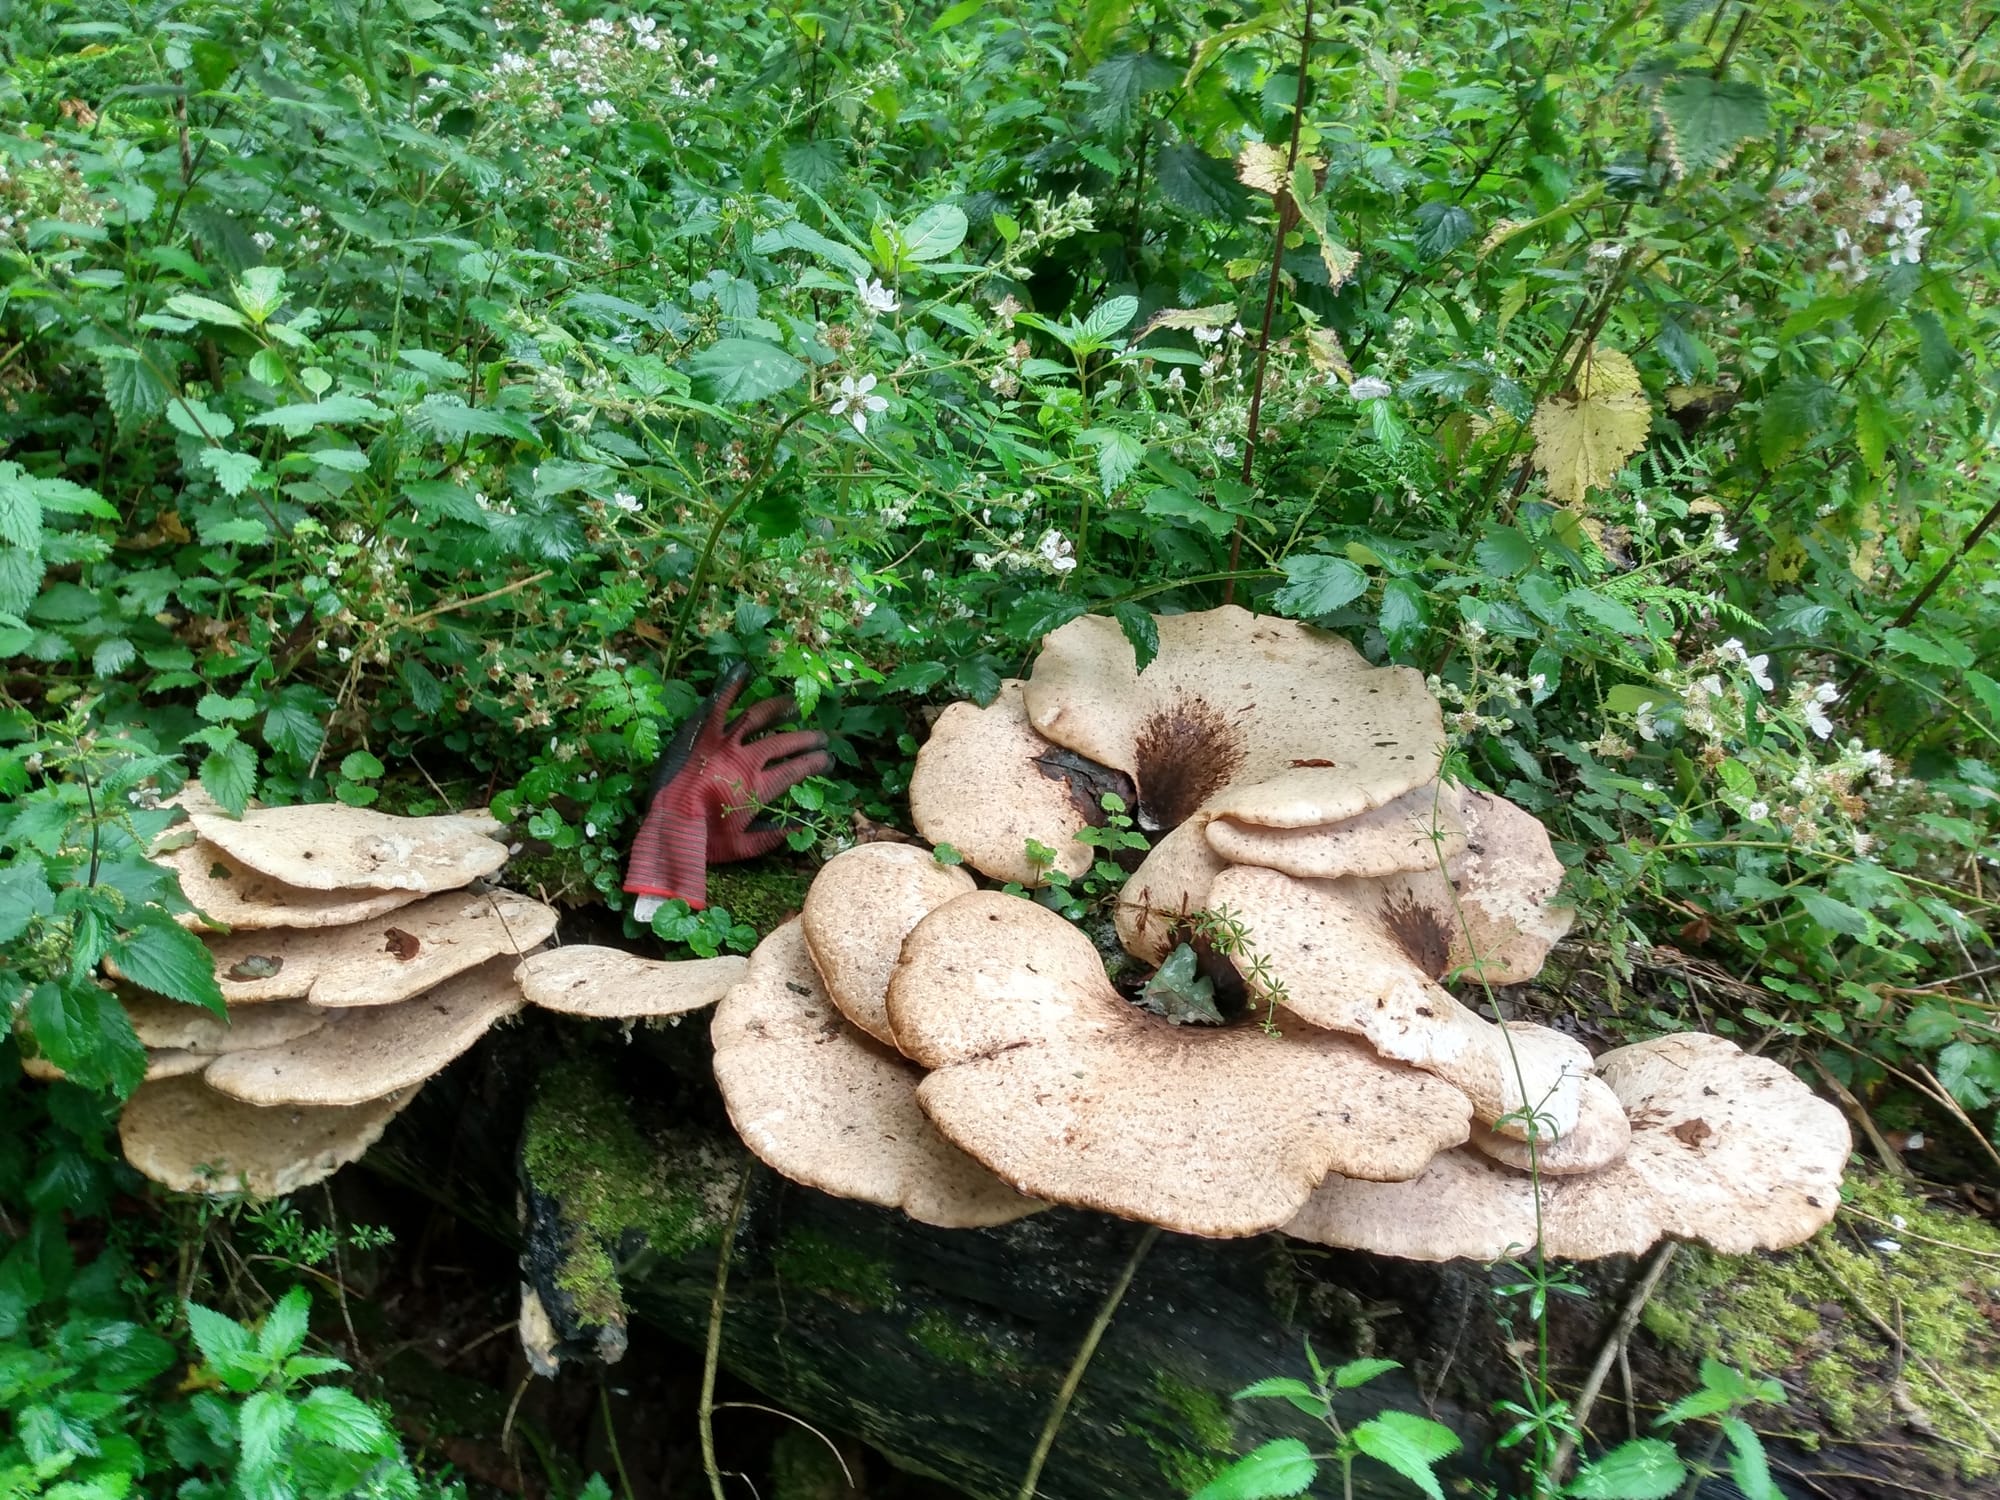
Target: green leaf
1318, 585
342, 1420
229, 771
1708, 119
1503, 552
939, 230
217, 709
24, 897
1612, 614
235, 472
1748, 1465
1178, 505
1793, 412
449, 419
1201, 184
1441, 228
1118, 454
1948, 652
1643, 1469
1110, 317
158, 955
1409, 1444
1835, 916
334, 411
1404, 617
20, 510
1874, 429
1180, 992
216, 1336
284, 1330
361, 766
192, 417
1937, 361
1360, 1371
734, 372
206, 310
1282, 1467
1141, 629
1281, 1387
132, 390
264, 1424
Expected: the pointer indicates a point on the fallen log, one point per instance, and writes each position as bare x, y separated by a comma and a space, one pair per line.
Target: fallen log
944, 1349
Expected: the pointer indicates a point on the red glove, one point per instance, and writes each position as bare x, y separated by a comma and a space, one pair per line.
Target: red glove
708, 789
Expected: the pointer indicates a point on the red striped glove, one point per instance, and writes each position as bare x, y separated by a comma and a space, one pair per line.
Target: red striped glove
709, 789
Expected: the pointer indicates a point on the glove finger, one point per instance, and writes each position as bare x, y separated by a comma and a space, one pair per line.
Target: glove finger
759, 717
773, 781
728, 688
773, 747
705, 723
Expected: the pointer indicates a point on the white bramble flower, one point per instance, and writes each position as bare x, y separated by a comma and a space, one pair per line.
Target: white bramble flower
1649, 727
601, 111
263, 239
1176, 381
1724, 542
858, 402
1757, 812
874, 296
1369, 388
1208, 335
1057, 551
1757, 666
626, 501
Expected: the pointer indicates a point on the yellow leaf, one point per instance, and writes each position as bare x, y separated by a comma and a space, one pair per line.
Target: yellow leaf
1323, 348
1581, 443
1261, 168
1787, 560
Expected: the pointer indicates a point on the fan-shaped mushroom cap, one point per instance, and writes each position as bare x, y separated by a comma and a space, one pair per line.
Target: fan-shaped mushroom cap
1601, 1135
1046, 1074
161, 1062
1363, 956
230, 892
168, 1024
364, 1053
1726, 1148
613, 985
1507, 882
986, 783
327, 846
184, 1134
1259, 719
820, 1101
1415, 831
861, 906
384, 959
1171, 882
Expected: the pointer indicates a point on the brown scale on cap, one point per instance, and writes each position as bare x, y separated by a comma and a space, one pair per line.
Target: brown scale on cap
1184, 752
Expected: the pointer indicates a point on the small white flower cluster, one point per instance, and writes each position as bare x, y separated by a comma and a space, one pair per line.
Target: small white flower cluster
1370, 388
1057, 551
1902, 212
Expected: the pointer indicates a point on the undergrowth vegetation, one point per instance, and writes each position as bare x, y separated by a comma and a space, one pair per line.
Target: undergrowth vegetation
414, 402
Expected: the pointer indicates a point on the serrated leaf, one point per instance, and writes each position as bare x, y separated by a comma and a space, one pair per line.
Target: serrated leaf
1358, 1372
1109, 318
1262, 168
1281, 1468
1403, 616
132, 390
1938, 653
1441, 228
263, 1425
342, 1420
1748, 1465
449, 419
1192, 180
229, 772
158, 955
1874, 429
20, 510
1793, 412
1833, 914
1642, 1469
206, 310
1409, 1444
333, 411
1503, 552
1141, 630
734, 372
192, 417
24, 897
360, 766
235, 472
1118, 454
284, 1329
1582, 443
938, 230
1937, 361
1318, 585
216, 1336
1707, 120
1612, 614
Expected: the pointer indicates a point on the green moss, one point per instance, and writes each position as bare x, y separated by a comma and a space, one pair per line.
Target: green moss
1189, 1433
808, 1259
760, 895
948, 1340
804, 1468
1795, 1314
581, 1147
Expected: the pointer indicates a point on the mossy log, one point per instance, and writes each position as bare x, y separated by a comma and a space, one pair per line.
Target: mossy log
944, 1349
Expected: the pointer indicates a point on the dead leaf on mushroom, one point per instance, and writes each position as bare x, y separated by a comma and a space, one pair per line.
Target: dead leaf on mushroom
403, 945
256, 966
1693, 1132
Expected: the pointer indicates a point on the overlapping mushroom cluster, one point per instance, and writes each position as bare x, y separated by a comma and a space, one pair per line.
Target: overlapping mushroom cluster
915, 1041
362, 953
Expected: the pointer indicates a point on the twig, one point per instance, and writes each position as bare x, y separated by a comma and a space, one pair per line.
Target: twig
1613, 1350
831, 1446
1891, 1157
1880, 1325
1082, 1362
611, 1439
1923, 1239
712, 1355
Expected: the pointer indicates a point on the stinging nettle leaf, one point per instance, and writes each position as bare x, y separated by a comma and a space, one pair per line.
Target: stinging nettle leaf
1281, 1468
1707, 120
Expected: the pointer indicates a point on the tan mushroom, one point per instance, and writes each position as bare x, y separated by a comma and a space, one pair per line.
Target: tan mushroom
182, 1133
230, 892
380, 960
861, 906
1172, 882
330, 847
369, 1051
169, 1025
161, 1062
1063, 1088
1259, 719
611, 984
1363, 956
1420, 830
1726, 1148
1600, 1137
985, 783
820, 1101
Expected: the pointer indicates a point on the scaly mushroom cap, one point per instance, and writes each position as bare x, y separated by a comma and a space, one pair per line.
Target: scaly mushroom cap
611, 984
230, 892
1726, 1148
382, 960
1172, 881
1601, 1135
861, 906
366, 1052
1058, 1084
169, 1025
1258, 719
182, 1133
1364, 955
1507, 882
986, 783
1420, 830
823, 1103
330, 847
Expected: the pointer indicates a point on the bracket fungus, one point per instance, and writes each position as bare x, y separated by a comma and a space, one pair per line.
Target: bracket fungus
612, 985
861, 906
